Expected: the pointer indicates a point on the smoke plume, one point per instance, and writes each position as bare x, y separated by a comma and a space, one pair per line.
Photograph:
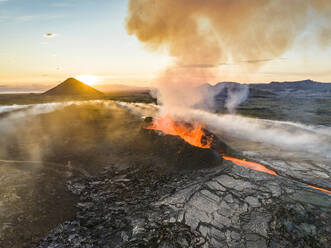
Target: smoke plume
201, 35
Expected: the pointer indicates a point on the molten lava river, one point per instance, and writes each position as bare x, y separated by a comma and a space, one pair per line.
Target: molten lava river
195, 135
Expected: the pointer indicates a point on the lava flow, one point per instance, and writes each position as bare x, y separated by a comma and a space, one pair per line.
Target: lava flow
324, 190
196, 136
251, 165
192, 134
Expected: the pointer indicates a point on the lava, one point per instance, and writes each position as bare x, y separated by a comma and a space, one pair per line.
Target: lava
324, 190
192, 134
251, 165
196, 136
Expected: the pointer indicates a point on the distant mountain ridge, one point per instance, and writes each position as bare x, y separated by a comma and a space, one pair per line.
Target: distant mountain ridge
295, 85
302, 88
280, 89
73, 87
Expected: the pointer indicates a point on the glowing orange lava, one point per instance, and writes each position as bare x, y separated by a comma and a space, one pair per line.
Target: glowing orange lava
251, 165
192, 134
196, 136
324, 190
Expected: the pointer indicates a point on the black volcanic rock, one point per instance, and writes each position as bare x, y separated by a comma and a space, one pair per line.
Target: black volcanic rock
121, 212
142, 206
73, 87
176, 152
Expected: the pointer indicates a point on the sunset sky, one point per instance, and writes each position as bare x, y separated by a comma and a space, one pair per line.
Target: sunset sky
44, 42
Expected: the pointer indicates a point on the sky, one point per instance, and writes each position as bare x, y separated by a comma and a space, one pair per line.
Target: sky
43, 42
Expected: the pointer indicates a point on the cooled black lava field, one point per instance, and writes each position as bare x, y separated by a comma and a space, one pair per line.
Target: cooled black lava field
86, 174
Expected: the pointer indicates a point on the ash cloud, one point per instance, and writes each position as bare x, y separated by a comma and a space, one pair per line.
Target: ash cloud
199, 34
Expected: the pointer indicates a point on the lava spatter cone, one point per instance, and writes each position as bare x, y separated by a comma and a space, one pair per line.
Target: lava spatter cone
178, 153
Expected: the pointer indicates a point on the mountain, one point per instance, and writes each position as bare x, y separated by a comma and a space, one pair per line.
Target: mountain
295, 85
73, 87
302, 88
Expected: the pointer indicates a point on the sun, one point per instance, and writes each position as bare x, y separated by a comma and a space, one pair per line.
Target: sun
88, 79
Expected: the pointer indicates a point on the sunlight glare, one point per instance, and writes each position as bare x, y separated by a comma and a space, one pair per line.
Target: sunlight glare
88, 79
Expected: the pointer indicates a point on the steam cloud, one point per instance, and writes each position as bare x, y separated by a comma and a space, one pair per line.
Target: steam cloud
7, 109
16, 121
284, 135
235, 94
201, 35
31, 139
275, 136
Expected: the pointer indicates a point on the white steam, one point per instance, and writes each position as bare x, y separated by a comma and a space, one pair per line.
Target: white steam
15, 119
26, 111
277, 135
235, 98
283, 135
18, 113
206, 97
10, 108
224, 95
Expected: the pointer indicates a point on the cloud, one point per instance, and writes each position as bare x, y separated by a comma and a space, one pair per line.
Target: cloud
202, 35
248, 61
253, 61
2, 1
197, 66
49, 35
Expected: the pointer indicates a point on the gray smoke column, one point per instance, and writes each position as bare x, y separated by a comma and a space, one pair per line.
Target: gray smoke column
200, 35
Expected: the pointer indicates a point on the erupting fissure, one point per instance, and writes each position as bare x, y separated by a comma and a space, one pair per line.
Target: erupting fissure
192, 134
195, 135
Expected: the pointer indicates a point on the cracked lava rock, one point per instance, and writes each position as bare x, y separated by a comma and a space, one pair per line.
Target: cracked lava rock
224, 206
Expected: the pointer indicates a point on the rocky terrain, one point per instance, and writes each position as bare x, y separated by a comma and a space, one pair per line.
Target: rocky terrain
123, 186
187, 206
225, 206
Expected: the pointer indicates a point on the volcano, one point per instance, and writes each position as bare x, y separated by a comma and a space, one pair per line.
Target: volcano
73, 87
197, 136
